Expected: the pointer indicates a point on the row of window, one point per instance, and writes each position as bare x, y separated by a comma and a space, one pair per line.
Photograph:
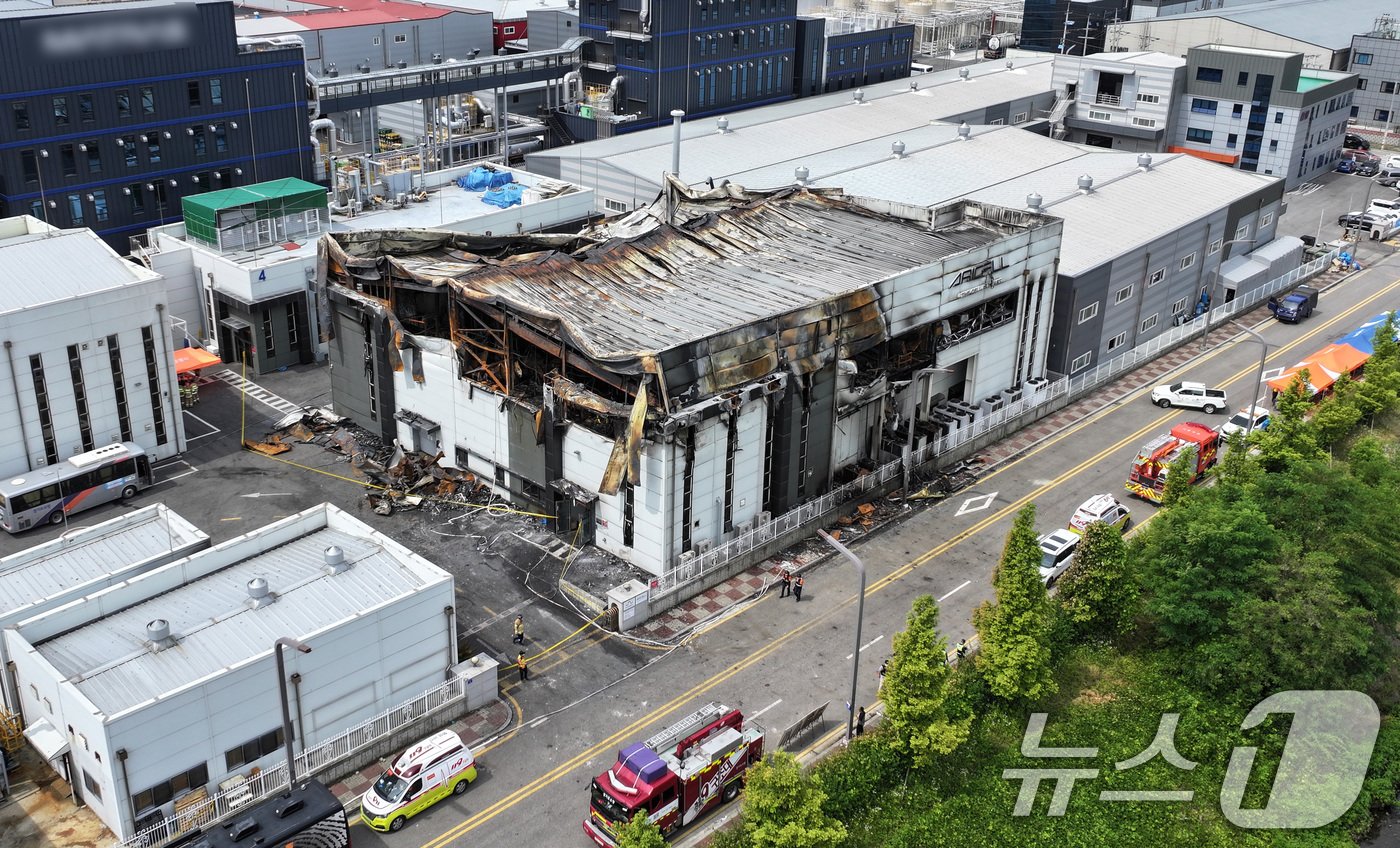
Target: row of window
706, 10
1204, 74
80, 397
862, 53
82, 107
96, 204
1231, 140
740, 39
87, 156
1386, 87
768, 76
1202, 106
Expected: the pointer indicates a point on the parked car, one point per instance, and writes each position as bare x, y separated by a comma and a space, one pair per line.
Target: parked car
1359, 156
1392, 162
1105, 508
1057, 552
1239, 422
1190, 395
1345, 166
1388, 177
1355, 142
1350, 219
1294, 306
1367, 169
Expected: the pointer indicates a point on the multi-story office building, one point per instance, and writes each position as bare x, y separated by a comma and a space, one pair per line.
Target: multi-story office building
1375, 59
1262, 110
1122, 101
110, 113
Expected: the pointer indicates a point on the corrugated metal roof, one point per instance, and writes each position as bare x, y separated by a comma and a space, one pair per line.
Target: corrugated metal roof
1328, 23
91, 553
73, 263
109, 660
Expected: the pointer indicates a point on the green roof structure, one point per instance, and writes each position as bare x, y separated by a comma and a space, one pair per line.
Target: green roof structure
208, 214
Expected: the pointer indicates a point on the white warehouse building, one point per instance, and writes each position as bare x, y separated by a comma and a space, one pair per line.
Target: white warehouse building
89, 352
159, 688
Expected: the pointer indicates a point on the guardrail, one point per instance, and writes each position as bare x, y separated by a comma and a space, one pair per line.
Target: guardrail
704, 564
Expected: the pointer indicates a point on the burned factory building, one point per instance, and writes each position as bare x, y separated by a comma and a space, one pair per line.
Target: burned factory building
669, 379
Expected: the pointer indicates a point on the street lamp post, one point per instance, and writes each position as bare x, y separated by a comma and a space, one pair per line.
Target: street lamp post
1215, 286
860, 619
302, 647
1259, 379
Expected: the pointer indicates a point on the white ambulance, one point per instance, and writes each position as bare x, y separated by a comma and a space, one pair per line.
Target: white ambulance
427, 772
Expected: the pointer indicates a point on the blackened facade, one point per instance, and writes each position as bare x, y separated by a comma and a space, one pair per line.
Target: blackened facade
109, 115
1072, 27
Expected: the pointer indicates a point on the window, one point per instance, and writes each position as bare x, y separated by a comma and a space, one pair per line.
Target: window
114, 356
1020, 118
375, 41
1273, 144
220, 138
1242, 233
129, 151
99, 204
153, 149
80, 404
1278, 117
1188, 261
1156, 277
1081, 362
1362, 83
1216, 245
400, 39
60, 111
253, 749
164, 791
148, 343
1266, 219
21, 112
1144, 122
1382, 114
69, 158
1122, 294
1099, 115
85, 108
293, 337
148, 100
1363, 58
138, 206
30, 162
996, 122
199, 146
1387, 87
1202, 136
614, 205
216, 92
1117, 341
192, 92
92, 788
123, 103
41, 400
1088, 312
75, 210
94, 151
1243, 78
1147, 324
1179, 307
1149, 98
1209, 75
1231, 140
1237, 111
269, 336
1204, 107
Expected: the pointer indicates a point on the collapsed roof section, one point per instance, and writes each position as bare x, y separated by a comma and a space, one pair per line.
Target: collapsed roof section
741, 286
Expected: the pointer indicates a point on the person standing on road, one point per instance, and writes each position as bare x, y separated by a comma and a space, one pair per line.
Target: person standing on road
519, 638
883, 665
797, 588
860, 721
524, 669
787, 583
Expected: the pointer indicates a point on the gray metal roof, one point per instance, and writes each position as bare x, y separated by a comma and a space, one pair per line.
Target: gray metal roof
109, 660
1327, 23
73, 262
88, 554
809, 126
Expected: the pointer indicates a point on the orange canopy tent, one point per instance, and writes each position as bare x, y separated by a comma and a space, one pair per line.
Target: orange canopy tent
191, 359
1323, 368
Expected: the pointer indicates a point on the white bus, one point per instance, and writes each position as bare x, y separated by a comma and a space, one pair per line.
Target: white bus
49, 494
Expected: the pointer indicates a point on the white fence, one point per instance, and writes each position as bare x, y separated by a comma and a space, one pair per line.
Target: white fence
241, 790
701, 565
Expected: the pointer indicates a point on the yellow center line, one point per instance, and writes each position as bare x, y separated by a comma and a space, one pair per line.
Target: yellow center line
666, 709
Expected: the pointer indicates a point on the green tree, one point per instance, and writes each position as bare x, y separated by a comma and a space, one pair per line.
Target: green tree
1236, 470
915, 692
1380, 391
1288, 438
1337, 415
783, 807
640, 832
1097, 594
1369, 461
1015, 649
1181, 473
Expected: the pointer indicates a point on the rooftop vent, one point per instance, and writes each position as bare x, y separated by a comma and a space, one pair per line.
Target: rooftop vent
1010, 65
722, 124
1086, 183
802, 174
913, 85
858, 95
1033, 202
335, 560
258, 594
964, 131
964, 74
158, 634
897, 148
1144, 161
437, 58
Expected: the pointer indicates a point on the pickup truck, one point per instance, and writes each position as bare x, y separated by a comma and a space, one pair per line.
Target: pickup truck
1193, 395
1294, 306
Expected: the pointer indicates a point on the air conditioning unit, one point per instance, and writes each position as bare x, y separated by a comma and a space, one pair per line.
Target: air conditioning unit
1011, 395
992, 404
703, 547
687, 557
763, 517
744, 529
1036, 388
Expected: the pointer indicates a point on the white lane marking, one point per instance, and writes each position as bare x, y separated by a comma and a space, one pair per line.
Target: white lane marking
537, 722
976, 503
213, 431
166, 479
867, 644
766, 709
962, 586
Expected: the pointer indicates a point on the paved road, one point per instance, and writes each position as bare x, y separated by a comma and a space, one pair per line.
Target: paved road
783, 659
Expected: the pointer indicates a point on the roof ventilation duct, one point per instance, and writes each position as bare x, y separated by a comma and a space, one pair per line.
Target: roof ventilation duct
1033, 201
335, 560
1144, 161
258, 594
964, 74
964, 131
158, 634
1010, 65
858, 96
1086, 183
897, 149
913, 85
802, 174
722, 124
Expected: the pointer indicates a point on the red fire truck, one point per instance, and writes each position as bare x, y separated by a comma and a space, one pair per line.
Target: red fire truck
676, 775
1149, 475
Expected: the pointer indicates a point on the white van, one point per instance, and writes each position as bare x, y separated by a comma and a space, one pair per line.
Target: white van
427, 772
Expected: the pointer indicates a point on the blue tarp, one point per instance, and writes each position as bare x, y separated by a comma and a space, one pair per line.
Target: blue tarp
505, 196
1363, 338
482, 178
